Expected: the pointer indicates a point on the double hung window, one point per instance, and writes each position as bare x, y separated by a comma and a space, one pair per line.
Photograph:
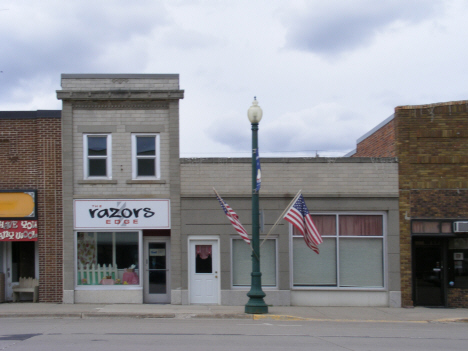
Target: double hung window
145, 156
97, 156
351, 255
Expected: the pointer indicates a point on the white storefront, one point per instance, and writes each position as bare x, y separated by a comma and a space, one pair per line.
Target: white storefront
114, 260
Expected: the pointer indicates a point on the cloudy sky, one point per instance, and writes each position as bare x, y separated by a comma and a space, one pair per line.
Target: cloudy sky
324, 72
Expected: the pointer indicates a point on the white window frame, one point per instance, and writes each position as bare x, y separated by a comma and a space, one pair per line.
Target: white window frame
338, 287
156, 156
265, 287
108, 157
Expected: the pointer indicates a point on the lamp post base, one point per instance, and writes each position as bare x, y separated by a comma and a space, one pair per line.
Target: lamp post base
256, 307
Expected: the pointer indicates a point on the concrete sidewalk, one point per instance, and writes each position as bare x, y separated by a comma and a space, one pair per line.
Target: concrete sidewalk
342, 314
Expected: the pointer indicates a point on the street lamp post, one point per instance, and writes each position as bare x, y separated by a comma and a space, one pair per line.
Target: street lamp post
256, 304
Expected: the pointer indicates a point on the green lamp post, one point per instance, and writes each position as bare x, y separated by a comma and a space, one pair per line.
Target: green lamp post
256, 304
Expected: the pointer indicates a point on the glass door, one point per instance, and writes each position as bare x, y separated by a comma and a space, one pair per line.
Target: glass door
428, 272
157, 271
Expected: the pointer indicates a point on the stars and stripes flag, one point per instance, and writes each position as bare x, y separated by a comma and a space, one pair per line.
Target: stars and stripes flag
234, 218
298, 215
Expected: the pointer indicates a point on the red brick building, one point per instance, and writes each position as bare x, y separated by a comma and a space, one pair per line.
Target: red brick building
431, 144
30, 196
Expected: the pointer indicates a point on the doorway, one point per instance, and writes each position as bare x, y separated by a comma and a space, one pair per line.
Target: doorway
204, 271
429, 272
157, 274
22, 261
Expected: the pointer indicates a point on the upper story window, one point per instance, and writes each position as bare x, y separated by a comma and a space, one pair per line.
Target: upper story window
97, 156
145, 156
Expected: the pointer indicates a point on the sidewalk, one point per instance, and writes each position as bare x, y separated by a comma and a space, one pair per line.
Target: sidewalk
284, 313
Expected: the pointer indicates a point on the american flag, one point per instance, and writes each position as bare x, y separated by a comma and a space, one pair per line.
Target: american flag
234, 218
298, 215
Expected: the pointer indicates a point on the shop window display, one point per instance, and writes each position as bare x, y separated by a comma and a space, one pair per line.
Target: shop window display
107, 258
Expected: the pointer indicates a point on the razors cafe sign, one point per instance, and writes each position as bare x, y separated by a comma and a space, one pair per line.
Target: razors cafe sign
122, 214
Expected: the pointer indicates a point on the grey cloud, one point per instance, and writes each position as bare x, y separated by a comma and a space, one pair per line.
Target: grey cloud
342, 26
190, 40
69, 39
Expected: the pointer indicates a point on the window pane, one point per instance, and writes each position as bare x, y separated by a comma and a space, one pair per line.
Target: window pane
104, 248
126, 249
312, 269
325, 224
203, 260
446, 227
97, 167
107, 258
356, 225
146, 167
242, 263
361, 262
425, 227
97, 146
22, 260
146, 146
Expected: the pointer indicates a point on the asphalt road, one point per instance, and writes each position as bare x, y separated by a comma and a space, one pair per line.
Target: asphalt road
225, 334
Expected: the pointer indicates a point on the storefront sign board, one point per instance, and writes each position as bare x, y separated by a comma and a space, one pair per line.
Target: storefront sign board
18, 230
122, 214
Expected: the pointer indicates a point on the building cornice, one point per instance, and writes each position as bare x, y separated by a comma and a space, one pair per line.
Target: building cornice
102, 95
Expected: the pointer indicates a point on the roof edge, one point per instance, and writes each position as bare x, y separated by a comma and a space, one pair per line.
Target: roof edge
117, 75
411, 107
376, 128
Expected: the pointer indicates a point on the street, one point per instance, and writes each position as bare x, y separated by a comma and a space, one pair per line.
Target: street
225, 334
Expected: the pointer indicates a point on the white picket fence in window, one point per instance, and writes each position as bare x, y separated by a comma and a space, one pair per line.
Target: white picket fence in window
93, 273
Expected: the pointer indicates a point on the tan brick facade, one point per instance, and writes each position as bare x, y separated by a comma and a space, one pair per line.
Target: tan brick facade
432, 148
30, 155
431, 144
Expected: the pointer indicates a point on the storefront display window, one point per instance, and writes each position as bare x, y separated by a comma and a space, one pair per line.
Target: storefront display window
107, 258
351, 255
458, 262
242, 262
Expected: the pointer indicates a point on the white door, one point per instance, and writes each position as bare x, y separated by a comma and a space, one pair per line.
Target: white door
204, 271
157, 274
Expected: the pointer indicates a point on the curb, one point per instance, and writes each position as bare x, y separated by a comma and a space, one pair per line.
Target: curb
255, 317
40, 315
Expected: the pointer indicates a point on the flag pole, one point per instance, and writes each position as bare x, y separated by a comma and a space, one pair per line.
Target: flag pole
281, 215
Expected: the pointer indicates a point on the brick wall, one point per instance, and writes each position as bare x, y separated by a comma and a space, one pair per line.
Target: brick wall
30, 155
457, 298
432, 149
380, 143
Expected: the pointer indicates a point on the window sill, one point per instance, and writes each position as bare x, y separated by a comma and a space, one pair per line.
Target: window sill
331, 288
97, 181
146, 181
109, 287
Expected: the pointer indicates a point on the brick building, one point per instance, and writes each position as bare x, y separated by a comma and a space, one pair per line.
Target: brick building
431, 144
30, 201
